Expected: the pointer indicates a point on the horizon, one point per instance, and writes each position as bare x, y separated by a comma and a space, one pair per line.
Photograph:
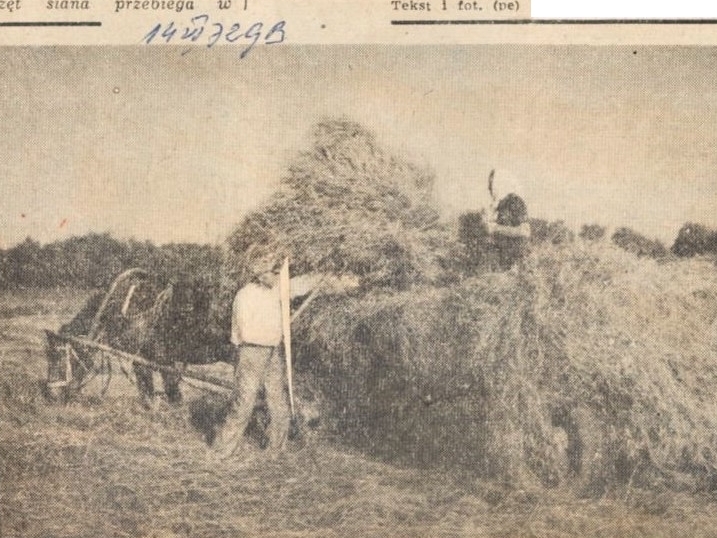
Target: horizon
609, 230
152, 145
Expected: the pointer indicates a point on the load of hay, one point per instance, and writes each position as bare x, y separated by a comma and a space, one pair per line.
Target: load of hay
584, 362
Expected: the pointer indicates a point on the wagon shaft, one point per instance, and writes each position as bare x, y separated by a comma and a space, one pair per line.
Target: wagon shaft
211, 383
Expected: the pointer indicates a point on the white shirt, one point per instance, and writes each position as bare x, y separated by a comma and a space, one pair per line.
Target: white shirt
256, 312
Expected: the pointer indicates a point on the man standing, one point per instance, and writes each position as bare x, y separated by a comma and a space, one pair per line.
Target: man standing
257, 335
511, 231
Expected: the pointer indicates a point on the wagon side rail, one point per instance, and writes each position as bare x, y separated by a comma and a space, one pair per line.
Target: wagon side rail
209, 382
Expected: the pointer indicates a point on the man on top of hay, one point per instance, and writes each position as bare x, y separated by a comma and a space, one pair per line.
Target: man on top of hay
511, 230
257, 334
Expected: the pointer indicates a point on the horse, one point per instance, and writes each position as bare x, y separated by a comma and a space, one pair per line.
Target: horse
163, 325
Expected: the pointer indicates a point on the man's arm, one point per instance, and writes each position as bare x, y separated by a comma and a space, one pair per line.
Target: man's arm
304, 284
511, 231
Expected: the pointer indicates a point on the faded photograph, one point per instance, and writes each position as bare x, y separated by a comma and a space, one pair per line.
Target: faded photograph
358, 291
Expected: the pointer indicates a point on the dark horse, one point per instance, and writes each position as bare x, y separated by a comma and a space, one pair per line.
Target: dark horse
164, 325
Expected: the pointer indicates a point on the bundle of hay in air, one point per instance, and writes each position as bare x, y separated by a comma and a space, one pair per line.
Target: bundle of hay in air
344, 206
584, 362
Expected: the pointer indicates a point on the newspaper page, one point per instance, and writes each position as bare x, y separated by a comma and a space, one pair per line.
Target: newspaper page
364, 268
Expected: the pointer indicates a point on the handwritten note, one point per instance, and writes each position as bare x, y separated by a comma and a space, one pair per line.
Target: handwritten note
203, 30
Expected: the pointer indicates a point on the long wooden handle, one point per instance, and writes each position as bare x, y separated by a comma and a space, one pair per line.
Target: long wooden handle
306, 302
285, 296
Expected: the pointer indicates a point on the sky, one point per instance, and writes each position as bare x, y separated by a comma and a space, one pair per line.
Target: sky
152, 144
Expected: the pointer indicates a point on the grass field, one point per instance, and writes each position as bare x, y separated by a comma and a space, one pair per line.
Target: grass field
107, 467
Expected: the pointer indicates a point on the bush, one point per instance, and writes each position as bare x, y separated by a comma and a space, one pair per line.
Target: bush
556, 232
638, 244
539, 230
592, 232
695, 239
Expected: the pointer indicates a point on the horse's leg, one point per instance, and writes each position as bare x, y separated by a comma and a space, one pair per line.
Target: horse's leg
171, 387
169, 379
145, 384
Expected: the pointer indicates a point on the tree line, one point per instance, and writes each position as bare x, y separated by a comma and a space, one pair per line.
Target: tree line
479, 248
94, 260
692, 239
